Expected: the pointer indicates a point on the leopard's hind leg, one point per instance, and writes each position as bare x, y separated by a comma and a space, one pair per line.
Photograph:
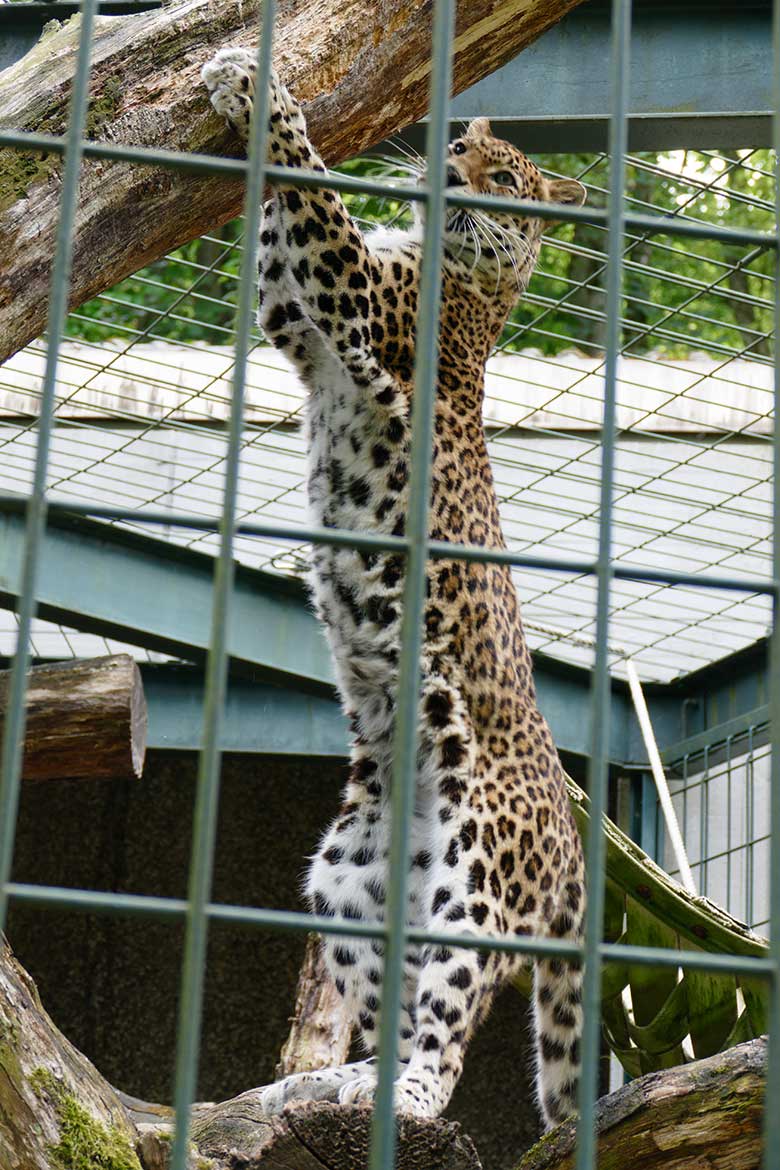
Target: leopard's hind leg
558, 1014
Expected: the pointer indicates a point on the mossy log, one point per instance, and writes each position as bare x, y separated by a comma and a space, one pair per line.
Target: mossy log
85, 719
705, 1114
56, 1111
361, 71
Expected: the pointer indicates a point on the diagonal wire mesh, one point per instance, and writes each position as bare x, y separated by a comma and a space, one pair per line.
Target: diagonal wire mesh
142, 395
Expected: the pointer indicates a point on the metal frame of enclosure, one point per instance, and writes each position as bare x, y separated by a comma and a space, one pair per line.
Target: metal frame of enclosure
225, 591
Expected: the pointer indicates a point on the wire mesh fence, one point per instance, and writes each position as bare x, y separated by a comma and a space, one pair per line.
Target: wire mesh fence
625, 538
143, 394
722, 797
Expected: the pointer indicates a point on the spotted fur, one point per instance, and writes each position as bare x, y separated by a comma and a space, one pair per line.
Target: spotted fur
494, 849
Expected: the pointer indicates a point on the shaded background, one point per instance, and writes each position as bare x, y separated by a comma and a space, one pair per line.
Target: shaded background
112, 984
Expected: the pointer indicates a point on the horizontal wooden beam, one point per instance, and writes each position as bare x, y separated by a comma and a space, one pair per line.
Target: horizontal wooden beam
700, 77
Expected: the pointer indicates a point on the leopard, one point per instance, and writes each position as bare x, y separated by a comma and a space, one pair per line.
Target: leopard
493, 848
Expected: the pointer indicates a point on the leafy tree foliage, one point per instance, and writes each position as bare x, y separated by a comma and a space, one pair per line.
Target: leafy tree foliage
680, 295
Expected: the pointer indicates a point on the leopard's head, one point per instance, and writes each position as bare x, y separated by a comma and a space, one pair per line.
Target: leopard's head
496, 241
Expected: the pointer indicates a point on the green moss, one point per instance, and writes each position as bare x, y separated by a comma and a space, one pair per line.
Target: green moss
549, 1138
103, 108
85, 1144
11, 1076
20, 171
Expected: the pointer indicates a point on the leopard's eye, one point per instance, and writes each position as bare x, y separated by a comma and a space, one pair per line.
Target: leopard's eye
459, 148
504, 178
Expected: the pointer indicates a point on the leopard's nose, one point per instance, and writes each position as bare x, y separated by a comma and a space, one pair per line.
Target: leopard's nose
453, 178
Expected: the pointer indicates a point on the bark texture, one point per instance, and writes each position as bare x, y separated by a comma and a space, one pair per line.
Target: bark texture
84, 719
320, 1029
316, 1136
702, 1116
56, 1111
360, 69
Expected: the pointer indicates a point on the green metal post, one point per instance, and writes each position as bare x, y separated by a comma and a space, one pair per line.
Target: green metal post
13, 731
207, 796
407, 700
598, 771
750, 819
771, 1160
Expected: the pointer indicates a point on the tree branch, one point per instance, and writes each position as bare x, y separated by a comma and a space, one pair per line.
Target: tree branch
360, 69
51, 1097
320, 1028
708, 1113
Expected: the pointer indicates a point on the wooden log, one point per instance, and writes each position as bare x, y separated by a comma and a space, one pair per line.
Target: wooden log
320, 1028
705, 1114
314, 1135
361, 70
85, 718
55, 1107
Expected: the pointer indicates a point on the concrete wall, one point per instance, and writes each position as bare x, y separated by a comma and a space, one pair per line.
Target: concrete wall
111, 984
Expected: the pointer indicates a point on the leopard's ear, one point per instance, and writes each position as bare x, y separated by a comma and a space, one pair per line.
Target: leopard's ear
479, 128
566, 191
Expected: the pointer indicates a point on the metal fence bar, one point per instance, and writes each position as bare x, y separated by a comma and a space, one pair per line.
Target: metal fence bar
436, 549
704, 824
405, 736
210, 164
750, 818
290, 921
13, 728
729, 826
771, 1159
207, 793
596, 847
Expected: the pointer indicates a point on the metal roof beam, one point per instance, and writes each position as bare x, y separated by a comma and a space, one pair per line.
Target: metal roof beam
273, 720
701, 77
259, 718
154, 594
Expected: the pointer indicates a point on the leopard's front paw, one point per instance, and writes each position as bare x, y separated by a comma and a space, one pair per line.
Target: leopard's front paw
322, 1085
361, 1091
230, 79
407, 1099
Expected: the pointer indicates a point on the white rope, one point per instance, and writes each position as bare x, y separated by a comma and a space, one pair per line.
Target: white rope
656, 767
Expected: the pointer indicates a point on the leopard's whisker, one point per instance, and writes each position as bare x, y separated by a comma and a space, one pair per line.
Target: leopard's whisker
408, 166
409, 152
490, 226
497, 248
477, 246
518, 243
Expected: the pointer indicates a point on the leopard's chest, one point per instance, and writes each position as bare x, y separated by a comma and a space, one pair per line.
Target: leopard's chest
357, 457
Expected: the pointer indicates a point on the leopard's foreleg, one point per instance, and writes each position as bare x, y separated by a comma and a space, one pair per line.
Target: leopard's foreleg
311, 240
